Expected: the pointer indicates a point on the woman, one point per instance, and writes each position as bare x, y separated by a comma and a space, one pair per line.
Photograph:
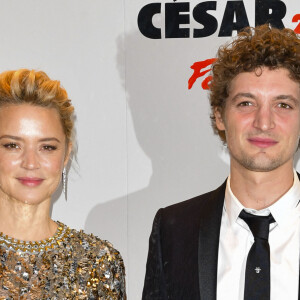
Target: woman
40, 258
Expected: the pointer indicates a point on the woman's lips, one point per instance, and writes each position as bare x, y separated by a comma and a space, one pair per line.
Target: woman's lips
30, 181
262, 142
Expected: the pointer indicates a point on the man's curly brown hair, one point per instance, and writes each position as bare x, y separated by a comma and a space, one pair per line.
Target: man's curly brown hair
252, 49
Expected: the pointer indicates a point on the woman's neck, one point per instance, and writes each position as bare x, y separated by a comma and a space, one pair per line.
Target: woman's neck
26, 222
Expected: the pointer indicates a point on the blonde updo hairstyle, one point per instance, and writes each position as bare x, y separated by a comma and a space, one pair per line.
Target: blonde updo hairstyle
36, 88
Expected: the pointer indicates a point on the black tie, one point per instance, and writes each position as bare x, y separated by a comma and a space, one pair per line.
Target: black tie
257, 278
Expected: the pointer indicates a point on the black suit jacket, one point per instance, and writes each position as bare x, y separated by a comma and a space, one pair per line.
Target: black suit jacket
183, 249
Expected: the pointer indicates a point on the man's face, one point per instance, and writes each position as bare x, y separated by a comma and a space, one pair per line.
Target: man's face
261, 120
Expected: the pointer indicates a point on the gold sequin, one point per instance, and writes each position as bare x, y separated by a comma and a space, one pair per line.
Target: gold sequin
70, 265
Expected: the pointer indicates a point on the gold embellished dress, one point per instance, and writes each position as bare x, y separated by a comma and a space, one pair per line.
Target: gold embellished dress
69, 265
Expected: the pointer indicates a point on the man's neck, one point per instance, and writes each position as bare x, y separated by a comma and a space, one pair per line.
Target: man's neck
259, 190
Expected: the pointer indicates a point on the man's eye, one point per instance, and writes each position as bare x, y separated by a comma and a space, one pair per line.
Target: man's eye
284, 105
11, 146
245, 103
49, 148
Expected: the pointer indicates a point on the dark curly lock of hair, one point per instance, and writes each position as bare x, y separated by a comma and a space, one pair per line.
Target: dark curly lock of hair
252, 49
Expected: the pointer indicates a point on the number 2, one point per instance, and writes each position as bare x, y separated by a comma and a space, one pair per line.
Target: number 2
296, 18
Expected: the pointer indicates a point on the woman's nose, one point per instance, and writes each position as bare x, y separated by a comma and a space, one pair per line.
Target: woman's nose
30, 160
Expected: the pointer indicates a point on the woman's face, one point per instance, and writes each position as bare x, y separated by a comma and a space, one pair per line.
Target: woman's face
33, 153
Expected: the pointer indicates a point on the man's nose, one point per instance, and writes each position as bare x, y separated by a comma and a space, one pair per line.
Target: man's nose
264, 119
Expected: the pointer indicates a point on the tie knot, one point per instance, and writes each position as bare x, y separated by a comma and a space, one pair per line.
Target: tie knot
259, 225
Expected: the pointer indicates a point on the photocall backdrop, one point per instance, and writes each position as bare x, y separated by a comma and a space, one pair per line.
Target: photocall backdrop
137, 72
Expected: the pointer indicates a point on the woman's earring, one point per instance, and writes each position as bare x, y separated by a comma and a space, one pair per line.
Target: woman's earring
64, 180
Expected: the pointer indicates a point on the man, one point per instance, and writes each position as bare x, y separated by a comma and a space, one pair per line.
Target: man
204, 248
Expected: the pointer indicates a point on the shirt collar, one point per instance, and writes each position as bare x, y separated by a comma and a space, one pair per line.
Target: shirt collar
284, 210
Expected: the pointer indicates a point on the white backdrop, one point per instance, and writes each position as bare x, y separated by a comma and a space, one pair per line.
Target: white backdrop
144, 138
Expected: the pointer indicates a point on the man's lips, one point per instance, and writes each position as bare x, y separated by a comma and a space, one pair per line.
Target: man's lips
30, 181
262, 142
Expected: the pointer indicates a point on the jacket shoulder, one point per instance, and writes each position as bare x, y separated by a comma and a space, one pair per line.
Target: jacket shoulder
196, 204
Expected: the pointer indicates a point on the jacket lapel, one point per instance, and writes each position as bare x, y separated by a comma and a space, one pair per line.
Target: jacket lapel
208, 248
209, 234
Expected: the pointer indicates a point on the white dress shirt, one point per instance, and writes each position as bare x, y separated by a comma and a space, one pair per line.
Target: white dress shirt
236, 240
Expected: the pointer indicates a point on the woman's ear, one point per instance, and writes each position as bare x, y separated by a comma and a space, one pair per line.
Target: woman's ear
68, 153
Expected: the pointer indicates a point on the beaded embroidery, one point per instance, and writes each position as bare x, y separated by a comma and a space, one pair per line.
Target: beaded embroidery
35, 247
70, 265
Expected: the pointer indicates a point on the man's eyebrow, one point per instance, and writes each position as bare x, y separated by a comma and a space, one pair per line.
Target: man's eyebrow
240, 95
287, 97
17, 138
279, 97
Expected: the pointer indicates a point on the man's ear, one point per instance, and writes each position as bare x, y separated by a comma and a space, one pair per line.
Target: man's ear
219, 119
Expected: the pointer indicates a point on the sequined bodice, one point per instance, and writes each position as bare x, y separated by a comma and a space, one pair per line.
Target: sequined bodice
19, 246
70, 265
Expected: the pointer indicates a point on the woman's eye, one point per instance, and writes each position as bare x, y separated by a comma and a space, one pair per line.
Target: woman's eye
11, 146
49, 148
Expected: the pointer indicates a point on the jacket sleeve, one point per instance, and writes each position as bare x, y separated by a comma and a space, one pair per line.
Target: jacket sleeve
155, 285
